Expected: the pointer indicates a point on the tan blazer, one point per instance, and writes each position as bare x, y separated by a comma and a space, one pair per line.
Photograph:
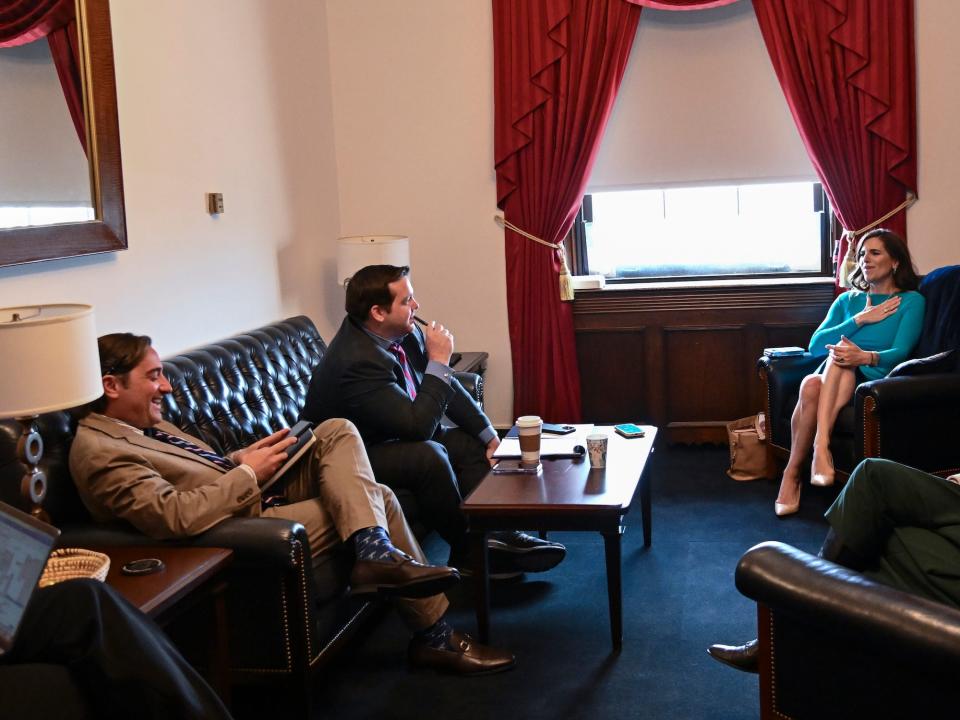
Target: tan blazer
162, 490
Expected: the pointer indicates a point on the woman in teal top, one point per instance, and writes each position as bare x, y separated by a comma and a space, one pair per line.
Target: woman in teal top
867, 332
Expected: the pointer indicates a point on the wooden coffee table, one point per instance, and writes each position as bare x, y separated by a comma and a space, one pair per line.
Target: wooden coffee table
567, 495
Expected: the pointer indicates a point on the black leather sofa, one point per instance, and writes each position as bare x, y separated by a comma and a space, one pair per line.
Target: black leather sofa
834, 644
284, 624
910, 416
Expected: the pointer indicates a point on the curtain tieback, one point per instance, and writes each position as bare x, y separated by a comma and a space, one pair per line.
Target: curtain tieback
566, 283
849, 262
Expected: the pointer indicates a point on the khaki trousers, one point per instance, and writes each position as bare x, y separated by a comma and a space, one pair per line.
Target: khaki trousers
333, 494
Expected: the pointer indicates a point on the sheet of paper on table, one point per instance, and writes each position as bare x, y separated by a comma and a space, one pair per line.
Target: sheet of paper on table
550, 445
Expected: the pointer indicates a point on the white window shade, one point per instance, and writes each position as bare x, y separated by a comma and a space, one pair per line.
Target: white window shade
700, 103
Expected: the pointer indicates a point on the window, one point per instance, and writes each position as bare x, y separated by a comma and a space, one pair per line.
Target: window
20, 214
707, 231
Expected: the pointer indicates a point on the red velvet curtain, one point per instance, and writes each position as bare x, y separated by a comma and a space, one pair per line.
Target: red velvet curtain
24, 21
557, 68
847, 70
682, 4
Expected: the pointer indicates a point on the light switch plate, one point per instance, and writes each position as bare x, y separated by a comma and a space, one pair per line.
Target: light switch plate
215, 203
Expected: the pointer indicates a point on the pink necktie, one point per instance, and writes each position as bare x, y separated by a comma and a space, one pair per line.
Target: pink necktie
408, 378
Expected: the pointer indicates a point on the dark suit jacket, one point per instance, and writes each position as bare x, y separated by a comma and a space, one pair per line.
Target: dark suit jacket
360, 381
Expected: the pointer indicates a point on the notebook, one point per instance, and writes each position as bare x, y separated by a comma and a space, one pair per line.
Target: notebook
792, 351
25, 545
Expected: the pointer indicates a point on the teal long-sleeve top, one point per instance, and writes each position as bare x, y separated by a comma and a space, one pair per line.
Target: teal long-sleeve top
893, 338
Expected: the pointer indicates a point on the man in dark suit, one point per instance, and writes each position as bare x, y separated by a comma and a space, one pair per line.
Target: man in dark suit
394, 381
895, 524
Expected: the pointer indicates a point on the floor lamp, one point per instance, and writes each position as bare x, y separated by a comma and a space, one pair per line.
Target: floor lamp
48, 361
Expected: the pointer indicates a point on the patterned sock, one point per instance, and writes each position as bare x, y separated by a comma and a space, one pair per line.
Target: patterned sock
437, 635
373, 543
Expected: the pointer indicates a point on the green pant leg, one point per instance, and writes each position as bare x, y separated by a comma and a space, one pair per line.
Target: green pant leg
922, 562
881, 496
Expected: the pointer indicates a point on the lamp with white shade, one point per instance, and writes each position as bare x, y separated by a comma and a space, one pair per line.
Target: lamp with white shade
48, 361
358, 251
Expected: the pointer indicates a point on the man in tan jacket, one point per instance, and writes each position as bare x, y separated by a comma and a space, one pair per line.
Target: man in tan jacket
129, 464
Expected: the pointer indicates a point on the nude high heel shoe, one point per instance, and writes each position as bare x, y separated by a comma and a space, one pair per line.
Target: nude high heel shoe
784, 509
822, 478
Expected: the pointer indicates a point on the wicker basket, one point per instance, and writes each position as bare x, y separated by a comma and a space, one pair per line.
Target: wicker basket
73, 563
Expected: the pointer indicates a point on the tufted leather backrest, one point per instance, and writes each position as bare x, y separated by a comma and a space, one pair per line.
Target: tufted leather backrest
229, 394
236, 391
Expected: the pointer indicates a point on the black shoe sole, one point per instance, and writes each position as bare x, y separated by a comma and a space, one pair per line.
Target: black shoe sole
531, 560
414, 590
468, 574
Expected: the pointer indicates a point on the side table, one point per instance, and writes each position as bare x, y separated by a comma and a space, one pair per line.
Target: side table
189, 576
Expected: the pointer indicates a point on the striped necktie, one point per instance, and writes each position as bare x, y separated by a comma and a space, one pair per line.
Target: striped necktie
183, 444
407, 377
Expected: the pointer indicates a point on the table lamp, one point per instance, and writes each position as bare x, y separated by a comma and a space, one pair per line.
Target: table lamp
48, 361
358, 251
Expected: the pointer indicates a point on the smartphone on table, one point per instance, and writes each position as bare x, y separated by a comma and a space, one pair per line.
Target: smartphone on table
554, 429
629, 430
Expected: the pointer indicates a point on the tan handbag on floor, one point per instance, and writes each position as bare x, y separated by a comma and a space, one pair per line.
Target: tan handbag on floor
748, 451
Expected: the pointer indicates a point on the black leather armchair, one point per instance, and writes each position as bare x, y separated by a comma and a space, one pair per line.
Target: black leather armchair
285, 621
910, 416
834, 644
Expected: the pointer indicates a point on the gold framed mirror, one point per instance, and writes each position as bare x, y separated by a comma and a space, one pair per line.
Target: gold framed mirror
107, 231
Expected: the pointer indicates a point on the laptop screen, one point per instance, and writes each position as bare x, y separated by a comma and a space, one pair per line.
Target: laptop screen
25, 544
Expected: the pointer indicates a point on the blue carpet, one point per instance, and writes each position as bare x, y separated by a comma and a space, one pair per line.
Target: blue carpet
678, 597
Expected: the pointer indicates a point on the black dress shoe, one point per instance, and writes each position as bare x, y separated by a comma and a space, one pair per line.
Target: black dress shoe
519, 551
399, 575
499, 568
462, 656
744, 657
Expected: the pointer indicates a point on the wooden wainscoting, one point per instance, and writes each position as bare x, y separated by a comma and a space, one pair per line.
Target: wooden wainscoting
684, 359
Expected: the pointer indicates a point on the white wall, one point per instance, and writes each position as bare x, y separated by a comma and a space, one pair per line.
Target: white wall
240, 107
413, 117
934, 220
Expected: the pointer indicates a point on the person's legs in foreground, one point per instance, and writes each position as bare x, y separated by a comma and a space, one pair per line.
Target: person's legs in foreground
345, 504
881, 500
122, 662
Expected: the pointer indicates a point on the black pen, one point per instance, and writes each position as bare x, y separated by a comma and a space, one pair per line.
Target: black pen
421, 321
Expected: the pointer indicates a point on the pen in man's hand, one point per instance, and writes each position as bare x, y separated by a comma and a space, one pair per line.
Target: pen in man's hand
420, 320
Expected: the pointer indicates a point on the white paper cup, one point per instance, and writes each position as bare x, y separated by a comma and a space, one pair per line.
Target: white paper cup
528, 430
597, 449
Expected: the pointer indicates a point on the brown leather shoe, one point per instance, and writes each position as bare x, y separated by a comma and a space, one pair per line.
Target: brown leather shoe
464, 656
400, 576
